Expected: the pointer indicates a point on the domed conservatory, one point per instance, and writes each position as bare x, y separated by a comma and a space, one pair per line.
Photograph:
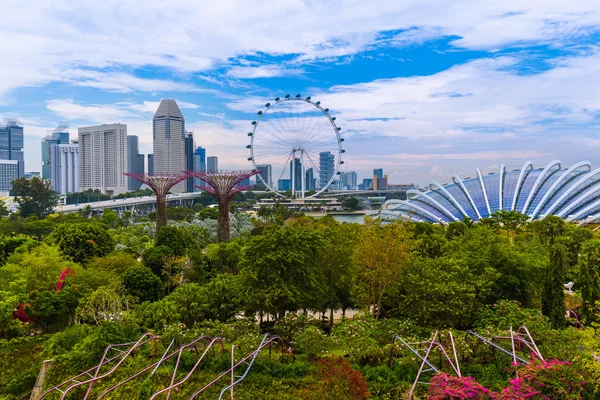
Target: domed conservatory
571, 193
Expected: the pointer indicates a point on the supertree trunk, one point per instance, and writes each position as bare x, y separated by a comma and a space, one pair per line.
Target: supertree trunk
223, 185
223, 223
160, 185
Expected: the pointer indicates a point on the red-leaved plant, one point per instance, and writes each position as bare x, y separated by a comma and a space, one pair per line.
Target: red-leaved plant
444, 386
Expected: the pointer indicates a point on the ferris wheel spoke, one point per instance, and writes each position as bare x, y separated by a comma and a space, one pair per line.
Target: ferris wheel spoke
279, 135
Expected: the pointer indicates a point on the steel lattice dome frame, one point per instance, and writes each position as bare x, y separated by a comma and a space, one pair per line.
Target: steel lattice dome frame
571, 193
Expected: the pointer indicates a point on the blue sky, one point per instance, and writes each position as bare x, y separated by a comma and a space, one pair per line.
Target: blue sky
421, 88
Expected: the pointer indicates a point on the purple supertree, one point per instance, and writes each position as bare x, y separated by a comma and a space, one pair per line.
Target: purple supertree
223, 185
160, 185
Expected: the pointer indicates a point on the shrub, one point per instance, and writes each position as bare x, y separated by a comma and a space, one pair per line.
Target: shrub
293, 324
444, 386
312, 341
337, 380
506, 313
141, 282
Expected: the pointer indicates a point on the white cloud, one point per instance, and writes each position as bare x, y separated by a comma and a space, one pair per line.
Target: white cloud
56, 41
265, 71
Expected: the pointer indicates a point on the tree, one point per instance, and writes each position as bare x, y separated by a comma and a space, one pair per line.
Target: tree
509, 221
178, 239
82, 241
35, 196
549, 228
383, 250
180, 214
141, 282
588, 278
553, 296
86, 211
154, 258
351, 204
110, 218
280, 269
3, 209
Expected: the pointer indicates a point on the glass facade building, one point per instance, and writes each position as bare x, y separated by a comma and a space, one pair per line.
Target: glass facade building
135, 162
59, 136
11, 143
199, 165
326, 167
572, 193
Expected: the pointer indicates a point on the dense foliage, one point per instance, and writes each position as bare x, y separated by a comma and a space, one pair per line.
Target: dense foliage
335, 293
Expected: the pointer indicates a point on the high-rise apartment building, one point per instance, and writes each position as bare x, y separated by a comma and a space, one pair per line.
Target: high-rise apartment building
212, 163
326, 167
266, 173
135, 161
188, 140
11, 143
103, 158
199, 165
64, 173
348, 180
150, 164
168, 127
60, 135
9, 171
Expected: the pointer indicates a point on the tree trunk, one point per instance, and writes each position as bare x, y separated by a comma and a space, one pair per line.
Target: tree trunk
161, 212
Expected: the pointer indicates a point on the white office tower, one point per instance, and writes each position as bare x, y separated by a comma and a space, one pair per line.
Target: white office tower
168, 127
64, 170
103, 158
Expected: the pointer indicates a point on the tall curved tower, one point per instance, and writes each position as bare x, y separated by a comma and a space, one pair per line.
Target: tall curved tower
168, 131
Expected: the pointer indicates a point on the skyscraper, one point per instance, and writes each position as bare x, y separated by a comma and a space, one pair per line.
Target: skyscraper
168, 127
379, 180
296, 171
60, 135
199, 165
348, 180
326, 167
189, 159
65, 168
9, 171
378, 172
11, 143
135, 162
150, 164
212, 163
103, 158
310, 179
266, 174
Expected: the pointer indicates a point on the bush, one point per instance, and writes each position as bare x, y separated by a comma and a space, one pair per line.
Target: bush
293, 324
506, 313
141, 282
312, 341
337, 380
444, 386
154, 258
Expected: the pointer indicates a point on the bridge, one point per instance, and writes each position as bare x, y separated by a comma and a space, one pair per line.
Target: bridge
362, 193
141, 205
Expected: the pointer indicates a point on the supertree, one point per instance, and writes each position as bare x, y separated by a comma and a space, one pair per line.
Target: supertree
160, 185
223, 185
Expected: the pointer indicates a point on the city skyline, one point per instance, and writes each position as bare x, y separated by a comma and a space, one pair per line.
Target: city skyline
416, 92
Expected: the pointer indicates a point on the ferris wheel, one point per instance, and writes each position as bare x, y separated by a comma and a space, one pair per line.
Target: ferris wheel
297, 145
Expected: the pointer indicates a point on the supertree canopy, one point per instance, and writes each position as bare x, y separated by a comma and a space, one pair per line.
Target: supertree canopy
223, 185
160, 185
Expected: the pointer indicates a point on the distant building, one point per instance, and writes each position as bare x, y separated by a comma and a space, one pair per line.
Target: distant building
11, 143
135, 161
60, 135
65, 168
199, 165
150, 164
168, 127
103, 158
9, 171
32, 174
378, 173
212, 163
311, 182
266, 173
284, 184
348, 180
188, 141
367, 184
245, 182
296, 172
326, 167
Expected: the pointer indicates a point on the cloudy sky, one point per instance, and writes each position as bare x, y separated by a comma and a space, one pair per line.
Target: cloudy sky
421, 88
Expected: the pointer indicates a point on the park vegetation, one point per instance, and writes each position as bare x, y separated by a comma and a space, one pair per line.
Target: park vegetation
335, 293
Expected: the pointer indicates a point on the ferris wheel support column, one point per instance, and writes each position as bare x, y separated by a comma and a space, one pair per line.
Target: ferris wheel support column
293, 171
303, 172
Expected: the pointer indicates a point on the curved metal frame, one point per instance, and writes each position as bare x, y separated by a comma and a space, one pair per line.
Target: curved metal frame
451, 198
555, 185
419, 209
501, 187
578, 201
520, 183
487, 202
584, 210
537, 183
463, 187
96, 378
243, 360
434, 201
155, 365
570, 190
333, 124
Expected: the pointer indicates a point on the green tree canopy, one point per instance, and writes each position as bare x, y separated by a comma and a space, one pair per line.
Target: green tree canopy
35, 196
82, 241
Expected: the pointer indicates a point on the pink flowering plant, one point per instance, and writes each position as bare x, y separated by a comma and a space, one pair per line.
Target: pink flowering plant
444, 386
